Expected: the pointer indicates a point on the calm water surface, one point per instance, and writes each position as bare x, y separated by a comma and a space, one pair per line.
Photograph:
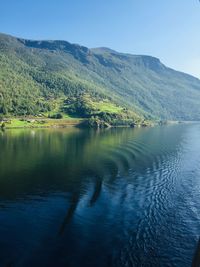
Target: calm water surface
118, 197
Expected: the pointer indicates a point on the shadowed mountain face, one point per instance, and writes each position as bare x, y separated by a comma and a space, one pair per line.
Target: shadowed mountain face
35, 72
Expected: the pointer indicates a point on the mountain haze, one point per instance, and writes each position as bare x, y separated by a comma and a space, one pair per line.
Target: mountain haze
39, 76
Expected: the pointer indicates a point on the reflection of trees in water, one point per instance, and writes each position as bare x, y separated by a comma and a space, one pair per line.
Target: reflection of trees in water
46, 161
57, 158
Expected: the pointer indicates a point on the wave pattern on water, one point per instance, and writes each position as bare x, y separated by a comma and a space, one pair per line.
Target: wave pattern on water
117, 198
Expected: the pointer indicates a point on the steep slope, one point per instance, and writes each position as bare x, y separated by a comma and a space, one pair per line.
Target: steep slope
38, 76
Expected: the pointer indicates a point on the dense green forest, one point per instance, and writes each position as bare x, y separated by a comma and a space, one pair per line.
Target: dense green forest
57, 78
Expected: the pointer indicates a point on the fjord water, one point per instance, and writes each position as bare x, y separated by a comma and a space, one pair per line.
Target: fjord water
117, 197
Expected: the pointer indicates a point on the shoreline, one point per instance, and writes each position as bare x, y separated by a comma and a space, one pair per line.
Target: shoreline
35, 123
46, 123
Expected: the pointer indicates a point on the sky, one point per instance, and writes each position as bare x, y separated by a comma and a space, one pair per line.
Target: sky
167, 29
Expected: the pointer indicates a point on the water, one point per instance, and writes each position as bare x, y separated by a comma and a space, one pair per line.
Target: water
118, 197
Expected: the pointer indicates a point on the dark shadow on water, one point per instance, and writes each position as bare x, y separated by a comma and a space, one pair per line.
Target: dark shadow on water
73, 204
97, 190
196, 258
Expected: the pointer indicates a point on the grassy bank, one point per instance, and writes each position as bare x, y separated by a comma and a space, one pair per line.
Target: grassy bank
13, 123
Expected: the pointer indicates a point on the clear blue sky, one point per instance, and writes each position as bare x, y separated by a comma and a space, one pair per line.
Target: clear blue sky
167, 29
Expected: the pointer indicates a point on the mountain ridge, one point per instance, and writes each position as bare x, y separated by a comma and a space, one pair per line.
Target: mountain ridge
93, 49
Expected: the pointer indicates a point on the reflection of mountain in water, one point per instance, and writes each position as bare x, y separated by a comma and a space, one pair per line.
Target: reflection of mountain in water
109, 193
46, 161
50, 160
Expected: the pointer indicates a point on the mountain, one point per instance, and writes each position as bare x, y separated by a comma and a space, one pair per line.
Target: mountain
46, 76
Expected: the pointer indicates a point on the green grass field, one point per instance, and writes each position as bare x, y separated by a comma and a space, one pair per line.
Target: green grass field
40, 123
104, 106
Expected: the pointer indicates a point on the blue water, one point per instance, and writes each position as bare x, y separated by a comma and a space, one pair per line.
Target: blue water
117, 197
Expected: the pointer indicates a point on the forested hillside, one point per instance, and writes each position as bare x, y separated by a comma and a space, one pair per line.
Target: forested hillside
51, 77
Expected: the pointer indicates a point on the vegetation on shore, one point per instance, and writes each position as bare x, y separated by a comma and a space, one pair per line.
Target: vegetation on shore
12, 123
77, 111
